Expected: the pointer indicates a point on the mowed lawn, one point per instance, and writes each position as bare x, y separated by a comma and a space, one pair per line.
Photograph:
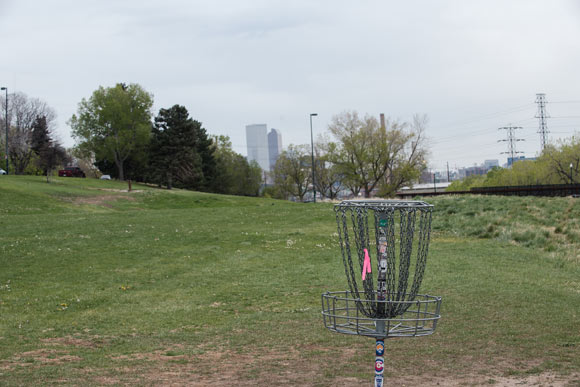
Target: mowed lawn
100, 286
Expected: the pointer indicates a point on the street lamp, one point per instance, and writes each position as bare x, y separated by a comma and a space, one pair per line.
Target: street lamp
312, 146
6, 119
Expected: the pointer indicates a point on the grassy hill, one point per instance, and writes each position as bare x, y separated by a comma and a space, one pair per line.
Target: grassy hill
103, 286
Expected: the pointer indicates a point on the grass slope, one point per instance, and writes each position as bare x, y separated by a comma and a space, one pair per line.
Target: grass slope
100, 286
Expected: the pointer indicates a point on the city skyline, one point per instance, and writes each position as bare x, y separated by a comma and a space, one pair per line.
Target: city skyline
262, 146
274, 146
257, 145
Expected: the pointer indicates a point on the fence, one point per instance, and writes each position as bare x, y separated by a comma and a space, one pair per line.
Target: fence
522, 190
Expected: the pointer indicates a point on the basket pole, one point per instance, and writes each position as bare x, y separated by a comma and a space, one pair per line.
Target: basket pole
379, 362
386, 304
381, 297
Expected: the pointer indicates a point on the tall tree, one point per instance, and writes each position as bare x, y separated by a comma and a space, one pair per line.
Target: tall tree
370, 156
560, 157
181, 153
407, 155
114, 123
50, 154
292, 173
328, 177
22, 114
362, 155
40, 136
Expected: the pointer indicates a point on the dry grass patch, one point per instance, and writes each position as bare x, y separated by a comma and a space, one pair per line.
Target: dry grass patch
38, 358
102, 200
294, 367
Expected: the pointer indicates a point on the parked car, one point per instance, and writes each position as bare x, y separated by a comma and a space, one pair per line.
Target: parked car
105, 177
71, 172
2, 172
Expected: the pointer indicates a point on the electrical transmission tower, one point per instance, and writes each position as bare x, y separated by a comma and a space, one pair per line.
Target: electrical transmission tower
511, 140
543, 118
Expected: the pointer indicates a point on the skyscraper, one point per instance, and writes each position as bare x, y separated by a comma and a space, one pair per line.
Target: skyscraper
257, 143
274, 146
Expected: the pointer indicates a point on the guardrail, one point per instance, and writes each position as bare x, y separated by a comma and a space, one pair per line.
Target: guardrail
521, 190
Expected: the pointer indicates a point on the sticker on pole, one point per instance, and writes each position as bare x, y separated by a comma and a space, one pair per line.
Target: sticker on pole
379, 365
380, 348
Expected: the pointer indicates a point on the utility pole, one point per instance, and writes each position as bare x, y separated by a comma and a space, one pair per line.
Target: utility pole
511, 140
312, 149
448, 178
543, 118
434, 183
6, 118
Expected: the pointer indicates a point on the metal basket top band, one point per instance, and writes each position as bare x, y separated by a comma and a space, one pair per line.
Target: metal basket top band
384, 204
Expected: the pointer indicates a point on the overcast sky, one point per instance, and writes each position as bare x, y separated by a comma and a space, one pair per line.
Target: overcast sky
471, 66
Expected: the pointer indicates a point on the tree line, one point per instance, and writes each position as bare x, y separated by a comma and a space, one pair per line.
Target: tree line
116, 134
114, 128
559, 163
32, 147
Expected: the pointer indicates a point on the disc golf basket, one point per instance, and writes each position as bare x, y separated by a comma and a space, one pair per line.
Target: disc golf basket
395, 235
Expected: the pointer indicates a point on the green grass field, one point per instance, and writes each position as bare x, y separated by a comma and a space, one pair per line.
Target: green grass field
100, 286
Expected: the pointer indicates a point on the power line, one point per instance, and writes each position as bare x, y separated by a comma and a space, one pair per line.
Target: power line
453, 147
489, 116
486, 150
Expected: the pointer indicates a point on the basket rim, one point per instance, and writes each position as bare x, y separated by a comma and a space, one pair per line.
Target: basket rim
383, 203
342, 315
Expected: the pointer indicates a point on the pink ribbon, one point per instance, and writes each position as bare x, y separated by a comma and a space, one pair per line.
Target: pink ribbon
366, 265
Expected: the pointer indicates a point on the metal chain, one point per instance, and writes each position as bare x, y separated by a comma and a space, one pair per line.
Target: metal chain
395, 223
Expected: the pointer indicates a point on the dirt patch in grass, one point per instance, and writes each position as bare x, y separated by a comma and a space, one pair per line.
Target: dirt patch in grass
41, 357
544, 379
120, 190
308, 367
302, 365
70, 341
102, 200
220, 368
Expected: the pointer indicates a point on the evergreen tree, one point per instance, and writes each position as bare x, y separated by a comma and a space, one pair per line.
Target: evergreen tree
49, 152
181, 153
40, 137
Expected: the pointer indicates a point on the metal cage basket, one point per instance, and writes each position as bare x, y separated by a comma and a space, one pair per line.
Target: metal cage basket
384, 246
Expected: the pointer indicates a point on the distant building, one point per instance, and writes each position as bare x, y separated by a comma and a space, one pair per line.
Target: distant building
479, 170
257, 144
489, 164
274, 146
476, 170
510, 160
